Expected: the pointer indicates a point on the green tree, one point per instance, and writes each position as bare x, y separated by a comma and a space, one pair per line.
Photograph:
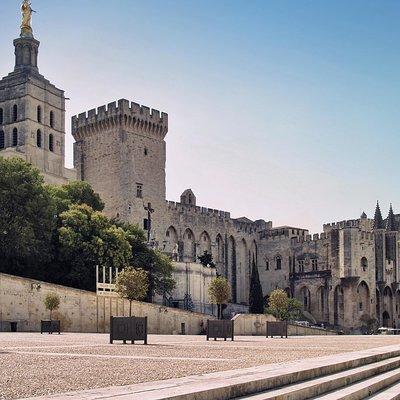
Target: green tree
132, 284
26, 219
158, 266
283, 307
52, 302
88, 238
74, 193
256, 298
219, 292
206, 260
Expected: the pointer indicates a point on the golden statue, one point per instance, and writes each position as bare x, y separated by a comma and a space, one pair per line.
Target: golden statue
26, 9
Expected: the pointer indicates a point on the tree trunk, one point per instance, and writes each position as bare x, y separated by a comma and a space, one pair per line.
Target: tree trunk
50, 314
219, 311
130, 308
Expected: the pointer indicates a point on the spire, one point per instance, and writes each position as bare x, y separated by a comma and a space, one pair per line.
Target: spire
390, 222
364, 216
26, 46
378, 220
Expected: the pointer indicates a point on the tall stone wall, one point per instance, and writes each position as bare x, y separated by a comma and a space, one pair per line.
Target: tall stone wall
21, 301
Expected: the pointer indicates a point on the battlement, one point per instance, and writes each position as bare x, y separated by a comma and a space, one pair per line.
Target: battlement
190, 209
140, 118
351, 223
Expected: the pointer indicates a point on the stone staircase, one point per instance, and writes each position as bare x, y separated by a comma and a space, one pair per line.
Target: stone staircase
372, 378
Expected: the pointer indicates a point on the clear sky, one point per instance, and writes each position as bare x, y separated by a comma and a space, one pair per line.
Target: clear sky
285, 110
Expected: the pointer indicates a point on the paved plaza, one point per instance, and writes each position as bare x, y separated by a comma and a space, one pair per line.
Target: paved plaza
36, 365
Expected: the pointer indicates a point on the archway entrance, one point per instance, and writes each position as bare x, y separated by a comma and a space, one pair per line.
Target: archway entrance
386, 319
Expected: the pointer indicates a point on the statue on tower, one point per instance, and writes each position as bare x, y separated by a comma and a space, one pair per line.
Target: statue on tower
26, 28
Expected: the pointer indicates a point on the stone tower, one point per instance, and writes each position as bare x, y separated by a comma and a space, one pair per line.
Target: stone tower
32, 114
120, 150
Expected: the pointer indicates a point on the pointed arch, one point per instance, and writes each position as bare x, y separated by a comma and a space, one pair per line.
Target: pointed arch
363, 298
232, 273
205, 243
189, 246
171, 238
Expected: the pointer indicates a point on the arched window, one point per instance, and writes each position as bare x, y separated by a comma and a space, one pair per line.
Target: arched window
39, 138
15, 113
52, 119
15, 137
1, 116
51, 142
364, 263
2, 144
39, 114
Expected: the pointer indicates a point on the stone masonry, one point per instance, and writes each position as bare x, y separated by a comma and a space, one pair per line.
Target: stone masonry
343, 276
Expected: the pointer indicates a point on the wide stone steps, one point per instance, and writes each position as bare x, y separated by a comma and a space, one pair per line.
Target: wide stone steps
390, 393
352, 384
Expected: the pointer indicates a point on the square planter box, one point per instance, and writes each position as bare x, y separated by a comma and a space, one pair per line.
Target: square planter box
50, 327
278, 328
221, 329
128, 328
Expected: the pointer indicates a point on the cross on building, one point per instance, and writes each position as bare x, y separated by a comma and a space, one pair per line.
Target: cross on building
150, 211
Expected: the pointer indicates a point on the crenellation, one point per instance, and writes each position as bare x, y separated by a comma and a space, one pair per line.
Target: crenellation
141, 118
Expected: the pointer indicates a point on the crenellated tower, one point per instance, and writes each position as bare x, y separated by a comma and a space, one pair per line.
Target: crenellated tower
120, 150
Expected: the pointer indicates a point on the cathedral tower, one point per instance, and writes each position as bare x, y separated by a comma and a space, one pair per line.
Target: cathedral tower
32, 111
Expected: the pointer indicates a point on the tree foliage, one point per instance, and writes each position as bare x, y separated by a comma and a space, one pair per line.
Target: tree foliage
74, 193
26, 218
88, 238
256, 298
59, 233
158, 266
52, 302
206, 260
132, 284
281, 306
219, 292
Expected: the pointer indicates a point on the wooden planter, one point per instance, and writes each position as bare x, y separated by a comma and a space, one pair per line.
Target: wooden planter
128, 328
50, 327
220, 329
278, 328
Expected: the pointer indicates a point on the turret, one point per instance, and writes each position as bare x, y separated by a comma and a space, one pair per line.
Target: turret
378, 220
390, 221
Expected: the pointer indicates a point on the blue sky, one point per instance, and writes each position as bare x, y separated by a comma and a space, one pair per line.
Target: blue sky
285, 110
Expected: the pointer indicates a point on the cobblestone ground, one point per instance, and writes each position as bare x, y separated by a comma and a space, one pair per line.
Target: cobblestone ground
32, 364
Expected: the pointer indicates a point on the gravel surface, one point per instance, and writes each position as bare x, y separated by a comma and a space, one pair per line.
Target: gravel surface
32, 364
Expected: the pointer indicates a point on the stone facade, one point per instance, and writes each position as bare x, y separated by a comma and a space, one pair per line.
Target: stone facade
32, 116
348, 272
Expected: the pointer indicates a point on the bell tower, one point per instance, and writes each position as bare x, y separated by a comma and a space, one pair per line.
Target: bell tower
32, 110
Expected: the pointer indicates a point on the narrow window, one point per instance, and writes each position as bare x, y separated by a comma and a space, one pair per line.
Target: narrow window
1, 116
314, 264
278, 263
146, 151
15, 137
364, 264
267, 265
39, 114
52, 119
51, 142
2, 144
39, 138
15, 113
139, 190
301, 265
